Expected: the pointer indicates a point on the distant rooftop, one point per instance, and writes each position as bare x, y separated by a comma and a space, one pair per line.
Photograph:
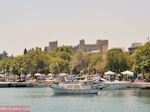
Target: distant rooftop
135, 45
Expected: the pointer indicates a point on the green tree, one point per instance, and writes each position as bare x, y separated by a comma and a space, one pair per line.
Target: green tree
80, 62
36, 61
101, 65
61, 57
117, 60
59, 65
95, 60
5, 64
141, 62
63, 52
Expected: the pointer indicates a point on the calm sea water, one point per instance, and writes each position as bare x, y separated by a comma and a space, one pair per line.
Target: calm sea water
43, 100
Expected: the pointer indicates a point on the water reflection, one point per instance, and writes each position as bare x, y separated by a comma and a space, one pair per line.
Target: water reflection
35, 93
33, 96
44, 100
143, 93
111, 93
125, 93
117, 93
47, 92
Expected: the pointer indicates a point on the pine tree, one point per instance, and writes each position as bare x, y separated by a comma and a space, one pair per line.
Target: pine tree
45, 49
25, 51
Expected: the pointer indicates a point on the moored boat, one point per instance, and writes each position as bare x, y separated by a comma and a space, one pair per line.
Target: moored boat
104, 84
81, 87
46, 83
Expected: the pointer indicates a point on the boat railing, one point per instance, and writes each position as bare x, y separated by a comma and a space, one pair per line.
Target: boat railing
76, 87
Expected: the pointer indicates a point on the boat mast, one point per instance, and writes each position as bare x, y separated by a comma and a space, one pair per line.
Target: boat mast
58, 67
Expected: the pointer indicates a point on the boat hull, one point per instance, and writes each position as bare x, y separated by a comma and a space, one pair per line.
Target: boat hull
60, 90
116, 85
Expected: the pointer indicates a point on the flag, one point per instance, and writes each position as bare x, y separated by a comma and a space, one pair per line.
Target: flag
147, 38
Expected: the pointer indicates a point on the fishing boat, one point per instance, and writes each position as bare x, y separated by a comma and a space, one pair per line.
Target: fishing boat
104, 84
80, 87
45, 83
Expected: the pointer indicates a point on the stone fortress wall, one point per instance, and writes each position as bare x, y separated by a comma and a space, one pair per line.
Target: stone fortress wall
101, 47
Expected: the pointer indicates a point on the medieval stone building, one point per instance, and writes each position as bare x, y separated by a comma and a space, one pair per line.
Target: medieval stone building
3, 55
101, 47
134, 47
52, 46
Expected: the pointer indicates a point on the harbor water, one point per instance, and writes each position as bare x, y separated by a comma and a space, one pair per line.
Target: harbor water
43, 100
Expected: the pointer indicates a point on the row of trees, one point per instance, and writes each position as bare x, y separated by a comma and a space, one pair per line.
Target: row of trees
138, 62
64, 60
58, 61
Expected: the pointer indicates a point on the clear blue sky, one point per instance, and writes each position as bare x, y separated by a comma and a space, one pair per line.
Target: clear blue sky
31, 23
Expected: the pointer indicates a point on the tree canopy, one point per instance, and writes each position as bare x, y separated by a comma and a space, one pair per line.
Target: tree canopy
141, 59
117, 60
62, 59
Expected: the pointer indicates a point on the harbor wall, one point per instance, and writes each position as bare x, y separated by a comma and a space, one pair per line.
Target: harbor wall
15, 84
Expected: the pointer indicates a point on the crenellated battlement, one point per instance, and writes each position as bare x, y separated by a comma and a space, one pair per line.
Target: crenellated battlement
100, 47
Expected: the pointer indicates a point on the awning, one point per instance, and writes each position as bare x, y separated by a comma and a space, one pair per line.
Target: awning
127, 72
109, 73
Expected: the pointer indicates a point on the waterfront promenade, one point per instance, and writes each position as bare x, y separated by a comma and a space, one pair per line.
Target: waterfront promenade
141, 85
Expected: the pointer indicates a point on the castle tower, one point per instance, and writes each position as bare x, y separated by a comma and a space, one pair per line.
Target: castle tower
82, 45
103, 47
82, 42
52, 45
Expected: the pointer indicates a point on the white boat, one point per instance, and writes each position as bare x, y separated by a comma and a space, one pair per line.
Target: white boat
81, 87
46, 83
116, 85
42, 84
104, 84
